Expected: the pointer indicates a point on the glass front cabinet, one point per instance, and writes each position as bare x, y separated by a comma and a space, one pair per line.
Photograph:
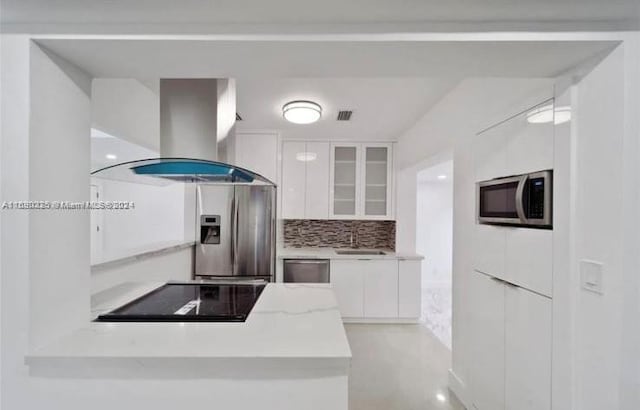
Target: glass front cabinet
361, 181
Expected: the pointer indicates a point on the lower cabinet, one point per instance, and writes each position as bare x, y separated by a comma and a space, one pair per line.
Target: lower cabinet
511, 354
486, 313
377, 288
347, 279
409, 288
380, 288
527, 350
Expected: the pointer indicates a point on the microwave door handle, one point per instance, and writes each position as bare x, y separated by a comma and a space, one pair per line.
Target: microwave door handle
520, 198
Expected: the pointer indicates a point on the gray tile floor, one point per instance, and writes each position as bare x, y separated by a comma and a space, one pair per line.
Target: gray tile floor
401, 367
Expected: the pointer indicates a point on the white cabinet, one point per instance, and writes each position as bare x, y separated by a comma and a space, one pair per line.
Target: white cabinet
347, 279
376, 181
266, 144
344, 193
293, 181
527, 350
522, 256
376, 288
380, 288
529, 259
529, 146
305, 180
489, 249
317, 181
361, 181
487, 317
490, 154
409, 289
511, 348
514, 147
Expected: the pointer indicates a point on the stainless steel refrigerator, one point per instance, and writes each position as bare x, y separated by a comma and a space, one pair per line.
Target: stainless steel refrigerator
236, 232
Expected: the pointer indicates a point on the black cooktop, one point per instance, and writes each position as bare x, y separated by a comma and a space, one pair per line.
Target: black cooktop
197, 302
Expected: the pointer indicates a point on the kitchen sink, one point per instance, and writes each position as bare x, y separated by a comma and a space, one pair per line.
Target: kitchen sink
358, 252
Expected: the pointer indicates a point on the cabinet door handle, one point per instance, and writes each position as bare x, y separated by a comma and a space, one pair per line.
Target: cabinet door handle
511, 285
504, 282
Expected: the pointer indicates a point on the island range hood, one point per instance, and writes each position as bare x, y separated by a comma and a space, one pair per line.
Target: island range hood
163, 171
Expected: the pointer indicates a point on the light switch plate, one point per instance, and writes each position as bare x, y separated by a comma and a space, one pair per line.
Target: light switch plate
591, 276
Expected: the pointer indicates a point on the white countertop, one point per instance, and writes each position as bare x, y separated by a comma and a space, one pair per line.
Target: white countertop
289, 321
330, 253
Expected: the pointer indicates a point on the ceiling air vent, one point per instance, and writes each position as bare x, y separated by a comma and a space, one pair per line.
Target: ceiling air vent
344, 115
238, 117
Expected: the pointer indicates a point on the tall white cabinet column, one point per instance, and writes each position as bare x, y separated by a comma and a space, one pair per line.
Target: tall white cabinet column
511, 282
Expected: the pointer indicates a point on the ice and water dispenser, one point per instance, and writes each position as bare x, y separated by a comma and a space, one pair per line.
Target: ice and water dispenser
210, 229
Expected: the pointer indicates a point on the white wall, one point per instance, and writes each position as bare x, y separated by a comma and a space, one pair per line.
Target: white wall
127, 109
59, 157
434, 240
164, 267
606, 359
434, 223
14, 239
157, 218
45, 155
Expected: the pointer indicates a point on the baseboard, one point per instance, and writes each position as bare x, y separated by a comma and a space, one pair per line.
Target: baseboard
389, 321
458, 388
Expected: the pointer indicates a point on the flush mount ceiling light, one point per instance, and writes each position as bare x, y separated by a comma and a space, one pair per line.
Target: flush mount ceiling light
301, 112
547, 114
441, 177
563, 114
111, 156
306, 156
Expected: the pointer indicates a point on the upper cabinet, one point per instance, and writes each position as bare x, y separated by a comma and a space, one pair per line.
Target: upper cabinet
516, 146
361, 181
317, 181
305, 180
293, 180
345, 177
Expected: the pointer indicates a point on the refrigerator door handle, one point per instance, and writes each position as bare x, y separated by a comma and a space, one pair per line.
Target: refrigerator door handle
234, 235
232, 231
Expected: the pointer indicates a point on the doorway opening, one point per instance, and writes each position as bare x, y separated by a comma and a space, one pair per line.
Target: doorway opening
434, 240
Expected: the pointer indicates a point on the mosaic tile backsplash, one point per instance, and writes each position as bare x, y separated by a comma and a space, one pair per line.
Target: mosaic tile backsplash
315, 233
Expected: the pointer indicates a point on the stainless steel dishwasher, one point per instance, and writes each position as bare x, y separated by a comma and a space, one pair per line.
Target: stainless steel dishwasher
306, 271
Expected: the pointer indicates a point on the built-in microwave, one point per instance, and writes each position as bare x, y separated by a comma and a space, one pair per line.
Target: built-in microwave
522, 200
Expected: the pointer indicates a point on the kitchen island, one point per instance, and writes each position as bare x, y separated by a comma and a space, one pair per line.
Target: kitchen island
291, 353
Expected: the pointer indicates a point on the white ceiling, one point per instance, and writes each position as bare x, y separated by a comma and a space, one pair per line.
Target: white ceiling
205, 58
382, 107
202, 15
388, 84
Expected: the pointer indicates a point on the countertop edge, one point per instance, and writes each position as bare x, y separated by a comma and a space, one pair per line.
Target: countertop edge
142, 255
330, 253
